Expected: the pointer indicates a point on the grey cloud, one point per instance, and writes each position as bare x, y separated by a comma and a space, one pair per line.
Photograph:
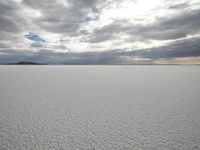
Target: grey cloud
12, 23
59, 18
177, 26
166, 28
109, 32
68, 20
182, 48
7, 24
179, 6
4, 44
8, 18
36, 45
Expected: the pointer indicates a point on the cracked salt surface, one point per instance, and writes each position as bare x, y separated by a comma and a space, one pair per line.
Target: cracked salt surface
99, 107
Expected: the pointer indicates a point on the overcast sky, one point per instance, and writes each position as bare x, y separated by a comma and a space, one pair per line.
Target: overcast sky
100, 31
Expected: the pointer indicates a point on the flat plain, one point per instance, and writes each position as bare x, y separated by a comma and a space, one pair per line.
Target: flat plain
100, 107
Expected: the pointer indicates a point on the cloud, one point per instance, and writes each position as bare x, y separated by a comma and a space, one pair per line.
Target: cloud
179, 6
183, 48
9, 17
63, 16
99, 31
166, 28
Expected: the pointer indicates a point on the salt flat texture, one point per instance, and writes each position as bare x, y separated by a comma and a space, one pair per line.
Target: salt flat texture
100, 107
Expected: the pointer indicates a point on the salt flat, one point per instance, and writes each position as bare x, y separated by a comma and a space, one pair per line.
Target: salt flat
100, 107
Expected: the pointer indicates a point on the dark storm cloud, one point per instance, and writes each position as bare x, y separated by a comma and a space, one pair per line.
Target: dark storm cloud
183, 48
165, 28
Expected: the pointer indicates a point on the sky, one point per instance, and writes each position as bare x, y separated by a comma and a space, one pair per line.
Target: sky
100, 31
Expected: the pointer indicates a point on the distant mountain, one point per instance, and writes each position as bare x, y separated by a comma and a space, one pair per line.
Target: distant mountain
25, 63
